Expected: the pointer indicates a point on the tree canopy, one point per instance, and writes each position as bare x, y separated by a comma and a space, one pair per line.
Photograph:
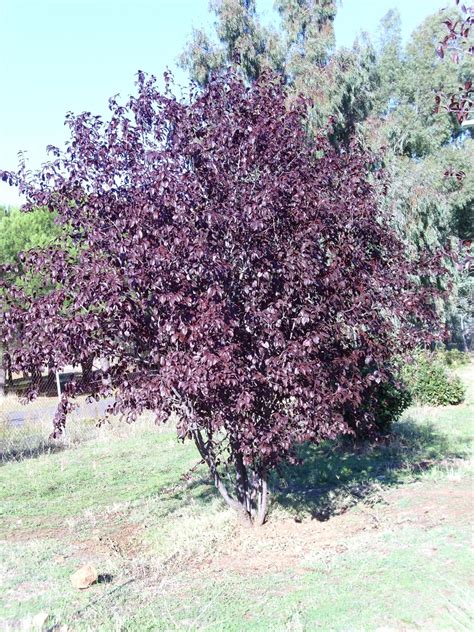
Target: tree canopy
386, 92
232, 270
20, 232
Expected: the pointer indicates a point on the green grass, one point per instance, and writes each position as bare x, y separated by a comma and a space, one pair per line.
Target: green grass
93, 476
360, 537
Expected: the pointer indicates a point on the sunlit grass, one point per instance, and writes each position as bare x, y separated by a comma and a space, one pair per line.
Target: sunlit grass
135, 502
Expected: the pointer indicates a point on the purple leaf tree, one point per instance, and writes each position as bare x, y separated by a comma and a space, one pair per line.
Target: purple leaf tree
459, 43
227, 267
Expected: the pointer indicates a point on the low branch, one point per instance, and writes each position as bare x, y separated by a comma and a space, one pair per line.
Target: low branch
208, 457
262, 504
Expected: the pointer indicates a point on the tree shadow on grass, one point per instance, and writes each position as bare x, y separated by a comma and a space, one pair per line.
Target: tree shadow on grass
336, 475
196, 489
18, 451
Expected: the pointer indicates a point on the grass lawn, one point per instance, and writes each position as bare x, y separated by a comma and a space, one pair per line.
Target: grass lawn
364, 537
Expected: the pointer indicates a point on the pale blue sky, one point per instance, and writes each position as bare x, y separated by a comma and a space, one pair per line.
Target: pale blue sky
60, 55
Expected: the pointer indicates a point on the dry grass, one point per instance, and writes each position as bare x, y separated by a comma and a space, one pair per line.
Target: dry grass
32, 437
361, 538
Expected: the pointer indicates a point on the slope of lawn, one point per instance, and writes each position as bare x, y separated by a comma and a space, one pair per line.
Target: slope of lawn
361, 537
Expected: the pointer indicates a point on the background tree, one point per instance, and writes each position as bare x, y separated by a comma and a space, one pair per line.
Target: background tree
296, 50
232, 270
302, 51
20, 232
391, 84
308, 38
239, 38
409, 78
389, 61
428, 154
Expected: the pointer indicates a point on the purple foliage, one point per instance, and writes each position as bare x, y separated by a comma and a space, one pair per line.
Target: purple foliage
458, 41
231, 270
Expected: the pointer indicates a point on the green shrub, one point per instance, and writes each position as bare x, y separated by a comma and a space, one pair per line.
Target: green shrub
430, 382
453, 357
392, 399
383, 403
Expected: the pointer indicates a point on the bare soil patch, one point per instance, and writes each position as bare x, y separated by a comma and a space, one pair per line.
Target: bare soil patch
124, 542
285, 544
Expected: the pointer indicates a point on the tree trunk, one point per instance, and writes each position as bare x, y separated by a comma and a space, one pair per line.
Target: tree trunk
36, 379
86, 368
2, 379
242, 484
463, 336
262, 499
251, 502
208, 457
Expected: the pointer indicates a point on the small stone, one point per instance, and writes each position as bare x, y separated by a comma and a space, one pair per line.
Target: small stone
84, 577
39, 620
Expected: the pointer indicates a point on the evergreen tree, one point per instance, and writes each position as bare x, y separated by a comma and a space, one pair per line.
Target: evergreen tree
239, 38
389, 62
409, 80
340, 84
428, 154
21, 232
308, 36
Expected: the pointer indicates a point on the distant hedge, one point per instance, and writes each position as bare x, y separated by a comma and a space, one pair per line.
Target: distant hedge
429, 380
